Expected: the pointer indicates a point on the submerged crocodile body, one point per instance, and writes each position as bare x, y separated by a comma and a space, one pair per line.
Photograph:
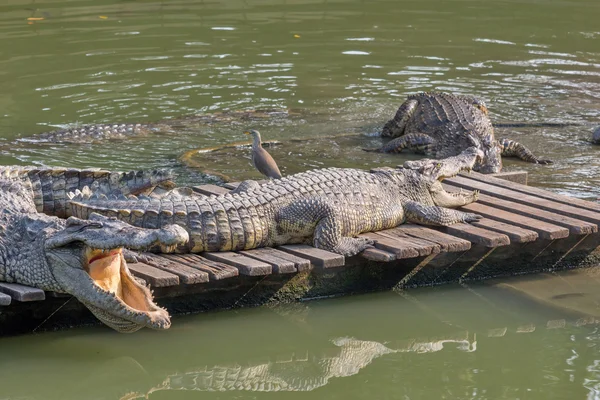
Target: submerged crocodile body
442, 125
327, 207
81, 258
99, 132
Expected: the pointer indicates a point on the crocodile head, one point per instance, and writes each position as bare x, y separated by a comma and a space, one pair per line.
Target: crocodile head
491, 160
86, 260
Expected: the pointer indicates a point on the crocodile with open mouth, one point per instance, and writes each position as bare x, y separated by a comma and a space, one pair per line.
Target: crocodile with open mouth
84, 258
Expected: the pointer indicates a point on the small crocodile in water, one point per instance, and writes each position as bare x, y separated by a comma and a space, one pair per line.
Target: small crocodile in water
84, 258
326, 207
98, 132
442, 125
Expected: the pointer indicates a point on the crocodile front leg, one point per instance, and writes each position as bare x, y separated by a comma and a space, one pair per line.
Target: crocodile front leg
434, 215
417, 142
395, 126
320, 218
511, 148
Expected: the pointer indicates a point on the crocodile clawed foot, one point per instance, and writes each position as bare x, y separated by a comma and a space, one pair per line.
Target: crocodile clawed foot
470, 217
544, 162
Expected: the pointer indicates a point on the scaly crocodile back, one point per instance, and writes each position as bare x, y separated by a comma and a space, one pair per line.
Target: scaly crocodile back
450, 119
364, 201
48, 187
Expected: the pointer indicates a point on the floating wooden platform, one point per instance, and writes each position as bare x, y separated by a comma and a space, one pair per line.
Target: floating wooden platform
524, 229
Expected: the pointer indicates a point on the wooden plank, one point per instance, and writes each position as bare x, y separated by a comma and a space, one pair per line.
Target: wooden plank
400, 248
538, 192
424, 246
476, 235
514, 233
187, 275
231, 185
526, 199
301, 264
246, 265
379, 255
214, 269
4, 299
512, 176
21, 292
318, 257
447, 242
154, 276
544, 230
269, 256
210, 189
575, 226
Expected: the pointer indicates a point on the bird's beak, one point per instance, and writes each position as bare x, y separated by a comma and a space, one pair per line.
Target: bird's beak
246, 132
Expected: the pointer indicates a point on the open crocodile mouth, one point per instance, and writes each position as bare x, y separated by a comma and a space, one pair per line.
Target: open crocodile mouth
109, 273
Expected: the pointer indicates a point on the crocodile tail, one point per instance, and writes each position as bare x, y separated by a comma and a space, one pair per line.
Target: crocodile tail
49, 186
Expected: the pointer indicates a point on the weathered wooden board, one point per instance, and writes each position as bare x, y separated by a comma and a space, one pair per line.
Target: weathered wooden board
378, 255
575, 226
317, 257
214, 269
424, 246
246, 265
447, 242
269, 256
523, 198
400, 248
588, 205
21, 292
187, 275
476, 235
512, 176
4, 299
210, 190
544, 230
154, 276
514, 233
301, 264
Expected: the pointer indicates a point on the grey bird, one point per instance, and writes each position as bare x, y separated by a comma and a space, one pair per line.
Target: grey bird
262, 160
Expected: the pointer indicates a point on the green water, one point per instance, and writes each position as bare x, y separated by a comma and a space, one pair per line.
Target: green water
469, 342
342, 67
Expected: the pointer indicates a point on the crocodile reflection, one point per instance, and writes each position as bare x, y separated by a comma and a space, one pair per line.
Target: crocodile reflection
304, 373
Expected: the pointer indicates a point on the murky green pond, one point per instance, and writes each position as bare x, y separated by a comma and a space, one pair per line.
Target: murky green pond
471, 342
341, 67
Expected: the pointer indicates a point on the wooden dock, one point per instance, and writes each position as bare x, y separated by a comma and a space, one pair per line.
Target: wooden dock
524, 229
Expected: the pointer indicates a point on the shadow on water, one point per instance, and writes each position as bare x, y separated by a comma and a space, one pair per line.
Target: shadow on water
502, 339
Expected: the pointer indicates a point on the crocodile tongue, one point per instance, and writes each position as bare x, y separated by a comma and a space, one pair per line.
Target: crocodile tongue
107, 270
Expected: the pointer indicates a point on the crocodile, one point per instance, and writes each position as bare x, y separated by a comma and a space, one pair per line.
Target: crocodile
98, 132
49, 186
328, 207
442, 125
84, 258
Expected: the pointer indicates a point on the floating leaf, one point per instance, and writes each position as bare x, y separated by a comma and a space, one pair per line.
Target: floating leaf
296, 36
35, 18
103, 17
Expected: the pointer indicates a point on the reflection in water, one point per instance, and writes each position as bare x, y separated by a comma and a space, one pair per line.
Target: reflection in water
298, 373
494, 339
